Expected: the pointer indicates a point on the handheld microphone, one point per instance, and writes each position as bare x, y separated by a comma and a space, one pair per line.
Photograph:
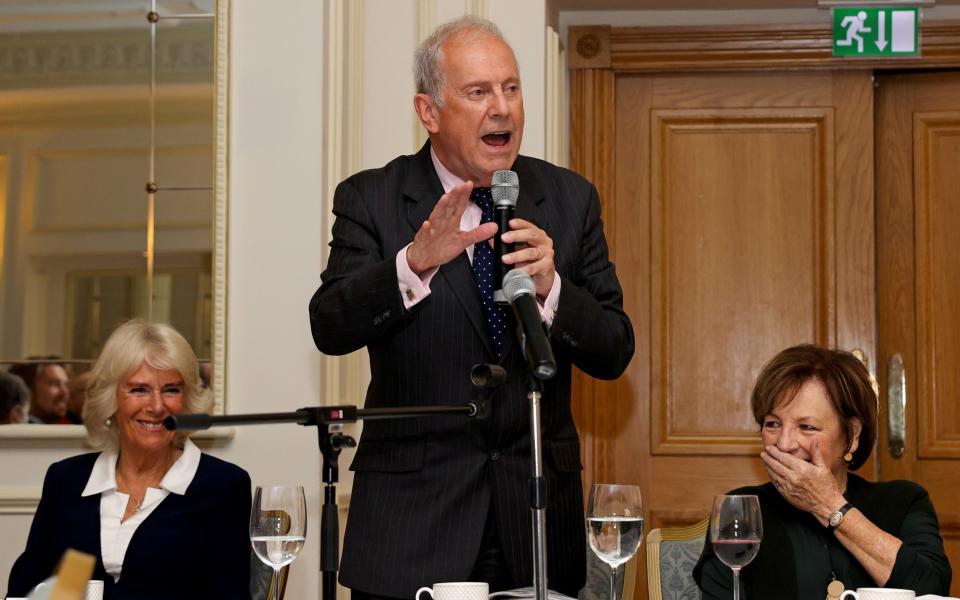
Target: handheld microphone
505, 189
520, 291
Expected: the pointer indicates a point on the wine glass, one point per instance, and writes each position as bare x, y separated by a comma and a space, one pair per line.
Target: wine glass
736, 529
614, 525
278, 526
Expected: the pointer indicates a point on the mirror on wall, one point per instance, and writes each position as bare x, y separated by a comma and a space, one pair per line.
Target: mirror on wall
112, 123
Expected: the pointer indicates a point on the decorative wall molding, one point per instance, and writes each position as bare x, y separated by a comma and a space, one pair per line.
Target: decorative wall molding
669, 127
478, 8
221, 116
590, 47
557, 146
39, 219
932, 132
19, 500
636, 49
109, 57
343, 377
74, 436
949, 524
591, 143
426, 21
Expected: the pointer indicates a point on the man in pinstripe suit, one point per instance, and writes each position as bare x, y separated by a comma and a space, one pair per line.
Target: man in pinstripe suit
447, 499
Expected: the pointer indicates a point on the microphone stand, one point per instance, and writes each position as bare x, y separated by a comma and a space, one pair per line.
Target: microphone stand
538, 490
328, 420
538, 484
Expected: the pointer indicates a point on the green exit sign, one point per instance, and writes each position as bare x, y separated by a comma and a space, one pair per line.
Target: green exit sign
873, 31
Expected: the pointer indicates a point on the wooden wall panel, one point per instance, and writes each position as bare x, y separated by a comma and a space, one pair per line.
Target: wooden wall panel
742, 222
937, 179
762, 47
591, 150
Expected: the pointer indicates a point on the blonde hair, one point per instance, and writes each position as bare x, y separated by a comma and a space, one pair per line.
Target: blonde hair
131, 345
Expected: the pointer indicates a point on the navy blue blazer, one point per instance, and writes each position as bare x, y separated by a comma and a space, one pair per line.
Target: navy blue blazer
191, 546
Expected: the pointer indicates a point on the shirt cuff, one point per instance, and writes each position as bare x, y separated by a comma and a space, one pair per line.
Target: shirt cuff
413, 287
548, 308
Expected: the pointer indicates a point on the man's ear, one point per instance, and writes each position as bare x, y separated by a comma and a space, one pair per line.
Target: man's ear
427, 111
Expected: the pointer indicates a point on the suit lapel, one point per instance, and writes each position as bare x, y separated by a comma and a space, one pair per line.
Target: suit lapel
531, 205
422, 191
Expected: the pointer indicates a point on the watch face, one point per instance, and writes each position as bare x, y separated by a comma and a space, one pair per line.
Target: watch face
835, 518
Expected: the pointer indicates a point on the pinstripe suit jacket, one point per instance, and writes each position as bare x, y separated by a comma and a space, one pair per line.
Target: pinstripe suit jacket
423, 487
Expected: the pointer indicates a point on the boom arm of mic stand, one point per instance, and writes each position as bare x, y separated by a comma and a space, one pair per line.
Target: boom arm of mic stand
327, 420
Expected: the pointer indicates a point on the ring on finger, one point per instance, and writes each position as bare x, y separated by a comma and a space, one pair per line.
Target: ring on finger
539, 252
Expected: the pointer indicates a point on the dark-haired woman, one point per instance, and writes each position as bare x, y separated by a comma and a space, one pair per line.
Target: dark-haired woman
826, 529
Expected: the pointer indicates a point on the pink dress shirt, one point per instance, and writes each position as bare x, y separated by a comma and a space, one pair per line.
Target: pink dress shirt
414, 288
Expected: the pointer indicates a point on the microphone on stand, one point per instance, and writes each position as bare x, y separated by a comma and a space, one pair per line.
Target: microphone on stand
487, 376
521, 292
193, 422
486, 379
505, 189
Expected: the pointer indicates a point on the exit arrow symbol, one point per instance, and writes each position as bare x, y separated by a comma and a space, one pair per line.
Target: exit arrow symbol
882, 31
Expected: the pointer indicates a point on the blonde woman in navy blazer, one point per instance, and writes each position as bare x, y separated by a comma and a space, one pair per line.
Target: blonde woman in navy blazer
162, 519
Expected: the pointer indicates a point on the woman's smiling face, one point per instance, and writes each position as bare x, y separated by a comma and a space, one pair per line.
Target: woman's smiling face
794, 424
144, 399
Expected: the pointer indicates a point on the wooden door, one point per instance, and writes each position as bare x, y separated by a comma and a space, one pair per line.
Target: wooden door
742, 224
918, 273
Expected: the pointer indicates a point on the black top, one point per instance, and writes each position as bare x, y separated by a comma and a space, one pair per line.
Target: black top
191, 546
798, 556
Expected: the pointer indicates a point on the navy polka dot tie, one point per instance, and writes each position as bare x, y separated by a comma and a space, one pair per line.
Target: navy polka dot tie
483, 272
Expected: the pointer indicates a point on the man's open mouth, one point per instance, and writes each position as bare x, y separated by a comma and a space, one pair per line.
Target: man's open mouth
501, 138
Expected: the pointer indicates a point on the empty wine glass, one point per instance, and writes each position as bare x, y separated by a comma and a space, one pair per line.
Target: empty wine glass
736, 529
278, 527
614, 525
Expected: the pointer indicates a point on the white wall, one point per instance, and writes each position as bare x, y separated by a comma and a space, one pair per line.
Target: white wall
278, 226
275, 238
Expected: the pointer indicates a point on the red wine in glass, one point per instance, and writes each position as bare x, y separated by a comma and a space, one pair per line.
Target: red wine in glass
736, 529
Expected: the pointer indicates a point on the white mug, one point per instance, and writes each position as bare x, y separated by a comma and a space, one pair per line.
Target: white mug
456, 590
879, 594
94, 590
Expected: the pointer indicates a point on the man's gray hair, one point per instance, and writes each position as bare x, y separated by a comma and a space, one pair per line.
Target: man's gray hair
427, 71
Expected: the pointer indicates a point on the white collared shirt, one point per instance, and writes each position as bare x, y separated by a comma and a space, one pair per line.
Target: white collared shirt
115, 533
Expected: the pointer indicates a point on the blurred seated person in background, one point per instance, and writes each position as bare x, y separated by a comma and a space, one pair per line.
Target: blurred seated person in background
77, 395
163, 519
48, 389
14, 399
206, 373
823, 526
